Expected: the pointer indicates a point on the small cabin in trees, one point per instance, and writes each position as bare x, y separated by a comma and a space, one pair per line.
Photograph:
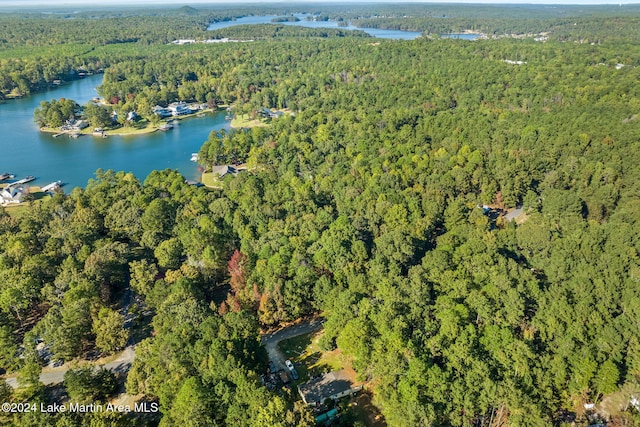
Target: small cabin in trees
333, 385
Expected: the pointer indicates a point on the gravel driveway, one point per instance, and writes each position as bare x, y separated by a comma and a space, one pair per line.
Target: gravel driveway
271, 340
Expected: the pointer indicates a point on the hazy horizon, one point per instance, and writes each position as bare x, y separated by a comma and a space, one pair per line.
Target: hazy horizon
108, 3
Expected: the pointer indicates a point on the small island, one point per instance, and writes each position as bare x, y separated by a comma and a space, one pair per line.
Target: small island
98, 118
290, 18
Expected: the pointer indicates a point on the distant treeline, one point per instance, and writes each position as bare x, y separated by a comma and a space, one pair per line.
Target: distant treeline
37, 49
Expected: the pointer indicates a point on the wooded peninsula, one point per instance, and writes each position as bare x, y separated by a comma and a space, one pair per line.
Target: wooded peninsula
464, 216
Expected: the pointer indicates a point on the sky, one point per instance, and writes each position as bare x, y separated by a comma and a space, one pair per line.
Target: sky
107, 3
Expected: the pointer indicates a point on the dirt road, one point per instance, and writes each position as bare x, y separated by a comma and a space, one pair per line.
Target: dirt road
271, 340
56, 375
123, 362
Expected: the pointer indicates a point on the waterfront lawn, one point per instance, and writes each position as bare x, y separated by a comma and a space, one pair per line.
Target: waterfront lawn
211, 180
139, 127
19, 210
243, 121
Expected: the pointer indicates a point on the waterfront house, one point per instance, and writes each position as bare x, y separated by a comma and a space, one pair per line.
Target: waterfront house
179, 108
223, 170
161, 111
267, 113
11, 194
80, 124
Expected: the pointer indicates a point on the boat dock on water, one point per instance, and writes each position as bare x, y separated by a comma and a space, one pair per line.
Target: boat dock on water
24, 180
49, 188
99, 132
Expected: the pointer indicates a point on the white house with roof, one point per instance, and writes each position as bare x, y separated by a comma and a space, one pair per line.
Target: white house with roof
161, 111
11, 195
179, 108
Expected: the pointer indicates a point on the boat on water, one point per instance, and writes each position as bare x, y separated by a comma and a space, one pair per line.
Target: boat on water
51, 187
165, 127
200, 115
194, 157
228, 117
6, 176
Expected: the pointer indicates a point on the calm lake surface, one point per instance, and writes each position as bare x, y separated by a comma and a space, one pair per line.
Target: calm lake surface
24, 150
465, 36
383, 34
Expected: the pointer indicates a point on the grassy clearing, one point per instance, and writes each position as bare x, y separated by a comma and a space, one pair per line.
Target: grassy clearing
211, 180
309, 359
139, 128
522, 218
244, 121
18, 211
136, 130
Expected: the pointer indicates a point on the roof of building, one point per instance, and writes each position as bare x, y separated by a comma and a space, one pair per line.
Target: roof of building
513, 214
222, 170
319, 389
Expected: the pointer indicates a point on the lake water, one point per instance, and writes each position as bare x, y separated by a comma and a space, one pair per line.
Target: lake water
383, 34
464, 36
24, 150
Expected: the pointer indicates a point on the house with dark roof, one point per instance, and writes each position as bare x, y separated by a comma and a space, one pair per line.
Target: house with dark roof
269, 114
223, 170
333, 385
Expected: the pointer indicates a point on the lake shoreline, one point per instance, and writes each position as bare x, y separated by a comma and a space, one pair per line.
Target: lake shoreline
128, 131
27, 151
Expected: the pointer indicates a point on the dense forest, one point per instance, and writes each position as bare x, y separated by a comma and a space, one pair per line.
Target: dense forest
363, 205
